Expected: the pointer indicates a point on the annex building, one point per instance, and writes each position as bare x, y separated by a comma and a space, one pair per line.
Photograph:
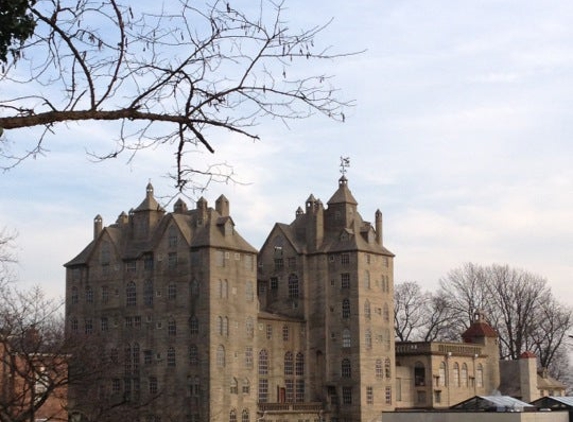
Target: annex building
192, 323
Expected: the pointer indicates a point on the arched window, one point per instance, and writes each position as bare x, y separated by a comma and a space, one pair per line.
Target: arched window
221, 356
368, 338
75, 295
479, 375
245, 417
234, 386
442, 374
293, 288
419, 374
233, 416
246, 386
171, 361
464, 375
249, 327
148, 293
130, 294
194, 325
345, 368
263, 362
367, 309
346, 338
193, 355
346, 308
299, 366
387, 368
225, 326
378, 366
289, 364
456, 375
220, 325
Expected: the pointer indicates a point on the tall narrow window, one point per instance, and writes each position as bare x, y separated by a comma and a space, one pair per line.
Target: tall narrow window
464, 375
221, 356
346, 308
345, 368
245, 416
249, 327
387, 368
479, 376
263, 390
386, 313
232, 416
194, 325
346, 395
289, 364
368, 338
89, 295
172, 237
456, 375
299, 367
420, 374
367, 313
171, 360
345, 280
442, 374
249, 357
249, 291
172, 328
378, 369
263, 362
104, 294
130, 294
346, 338
193, 355
172, 291
286, 333
367, 279
148, 293
75, 295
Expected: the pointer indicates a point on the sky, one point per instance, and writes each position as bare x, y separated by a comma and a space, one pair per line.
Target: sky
461, 134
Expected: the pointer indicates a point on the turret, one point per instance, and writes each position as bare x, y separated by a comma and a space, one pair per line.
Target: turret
222, 206
98, 226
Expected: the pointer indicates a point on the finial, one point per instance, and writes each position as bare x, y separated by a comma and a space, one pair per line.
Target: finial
344, 164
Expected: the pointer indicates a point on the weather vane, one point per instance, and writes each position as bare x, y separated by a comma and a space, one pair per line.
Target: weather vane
344, 164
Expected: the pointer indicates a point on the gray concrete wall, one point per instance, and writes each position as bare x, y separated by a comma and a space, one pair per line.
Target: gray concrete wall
476, 417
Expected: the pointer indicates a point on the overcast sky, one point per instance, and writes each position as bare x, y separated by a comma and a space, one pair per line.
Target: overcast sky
461, 136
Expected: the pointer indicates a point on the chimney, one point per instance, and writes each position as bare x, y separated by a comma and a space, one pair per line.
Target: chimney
98, 226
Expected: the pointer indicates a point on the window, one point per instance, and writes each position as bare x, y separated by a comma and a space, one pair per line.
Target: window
442, 374
172, 260
367, 312
74, 324
171, 361
232, 416
345, 259
88, 325
148, 293
369, 395
245, 416
388, 395
249, 292
288, 364
223, 289
193, 355
153, 388
279, 264
135, 357
464, 375
263, 390
367, 279
171, 328
172, 291
456, 374
346, 395
299, 393
147, 357
438, 396
299, 367
293, 286
137, 321
286, 333
368, 338
346, 308
89, 295
387, 368
378, 366
289, 390
104, 294
263, 362
249, 327
221, 356
269, 331
130, 294
346, 338
148, 262
420, 374
194, 325
115, 385
234, 386
248, 357
104, 324
75, 295
172, 237
345, 368
386, 313
345, 280
274, 283
131, 267
246, 386
479, 375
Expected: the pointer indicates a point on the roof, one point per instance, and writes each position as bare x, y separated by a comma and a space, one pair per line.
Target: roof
500, 403
554, 402
343, 194
479, 328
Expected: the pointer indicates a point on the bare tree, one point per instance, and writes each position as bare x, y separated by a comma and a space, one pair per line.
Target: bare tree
178, 77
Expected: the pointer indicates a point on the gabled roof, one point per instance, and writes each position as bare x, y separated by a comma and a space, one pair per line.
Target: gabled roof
554, 402
499, 403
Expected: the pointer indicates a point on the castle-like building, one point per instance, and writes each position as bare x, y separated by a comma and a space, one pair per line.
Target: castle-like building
193, 324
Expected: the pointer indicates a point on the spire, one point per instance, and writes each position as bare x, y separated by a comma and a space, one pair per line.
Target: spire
149, 203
